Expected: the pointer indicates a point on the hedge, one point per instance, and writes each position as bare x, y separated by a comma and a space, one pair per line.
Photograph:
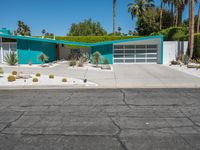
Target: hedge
91, 39
173, 33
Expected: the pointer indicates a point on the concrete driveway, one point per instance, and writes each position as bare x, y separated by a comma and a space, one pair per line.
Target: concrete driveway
100, 119
124, 76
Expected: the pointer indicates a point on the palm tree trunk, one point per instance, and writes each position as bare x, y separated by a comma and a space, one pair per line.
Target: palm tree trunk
114, 16
198, 21
172, 12
179, 16
191, 27
161, 13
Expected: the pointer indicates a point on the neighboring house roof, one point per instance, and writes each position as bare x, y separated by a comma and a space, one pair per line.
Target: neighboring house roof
75, 43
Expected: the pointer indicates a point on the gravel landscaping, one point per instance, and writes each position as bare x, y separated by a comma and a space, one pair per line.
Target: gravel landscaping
44, 80
185, 69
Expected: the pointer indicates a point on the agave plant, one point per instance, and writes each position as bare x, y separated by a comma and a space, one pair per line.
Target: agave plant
11, 58
43, 57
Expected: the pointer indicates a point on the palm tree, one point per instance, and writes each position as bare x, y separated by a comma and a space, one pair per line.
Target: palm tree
114, 16
198, 21
43, 32
161, 13
191, 27
180, 5
138, 7
119, 30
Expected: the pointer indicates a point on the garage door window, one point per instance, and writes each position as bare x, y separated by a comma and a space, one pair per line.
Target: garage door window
135, 53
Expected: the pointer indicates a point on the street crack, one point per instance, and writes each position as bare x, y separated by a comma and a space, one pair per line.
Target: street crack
10, 123
124, 98
117, 135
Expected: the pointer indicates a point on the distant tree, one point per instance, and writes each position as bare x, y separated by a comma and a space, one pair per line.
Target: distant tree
86, 28
148, 24
130, 32
119, 29
43, 32
138, 7
22, 29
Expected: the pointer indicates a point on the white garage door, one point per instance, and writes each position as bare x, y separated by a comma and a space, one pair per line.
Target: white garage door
135, 53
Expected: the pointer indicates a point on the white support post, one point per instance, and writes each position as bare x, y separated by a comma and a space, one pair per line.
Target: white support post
1, 47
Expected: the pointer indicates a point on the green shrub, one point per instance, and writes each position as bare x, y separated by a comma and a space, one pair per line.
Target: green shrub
96, 57
64, 79
14, 73
85, 56
174, 62
185, 59
197, 60
11, 58
37, 74
72, 63
51, 76
173, 33
35, 80
1, 70
105, 61
11, 78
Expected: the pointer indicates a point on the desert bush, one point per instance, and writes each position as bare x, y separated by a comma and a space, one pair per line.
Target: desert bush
105, 61
43, 58
96, 57
35, 80
51, 76
64, 79
11, 78
37, 74
14, 73
80, 62
174, 62
197, 60
85, 57
185, 59
1, 70
72, 63
11, 58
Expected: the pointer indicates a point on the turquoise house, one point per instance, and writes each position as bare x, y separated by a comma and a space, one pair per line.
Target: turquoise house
136, 50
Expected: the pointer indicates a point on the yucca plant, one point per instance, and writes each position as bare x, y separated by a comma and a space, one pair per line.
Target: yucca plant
11, 58
43, 58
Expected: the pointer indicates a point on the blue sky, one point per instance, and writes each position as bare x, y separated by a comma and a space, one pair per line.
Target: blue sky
56, 16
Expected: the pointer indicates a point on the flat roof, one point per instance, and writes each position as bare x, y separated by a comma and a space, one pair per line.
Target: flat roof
76, 43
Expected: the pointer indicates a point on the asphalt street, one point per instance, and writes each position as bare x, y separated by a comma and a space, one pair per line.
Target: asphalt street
100, 119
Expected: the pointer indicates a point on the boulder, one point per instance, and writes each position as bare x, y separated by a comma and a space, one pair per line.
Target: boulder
105, 67
193, 65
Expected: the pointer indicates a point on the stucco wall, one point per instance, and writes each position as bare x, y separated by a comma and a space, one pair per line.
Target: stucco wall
105, 50
172, 49
30, 51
